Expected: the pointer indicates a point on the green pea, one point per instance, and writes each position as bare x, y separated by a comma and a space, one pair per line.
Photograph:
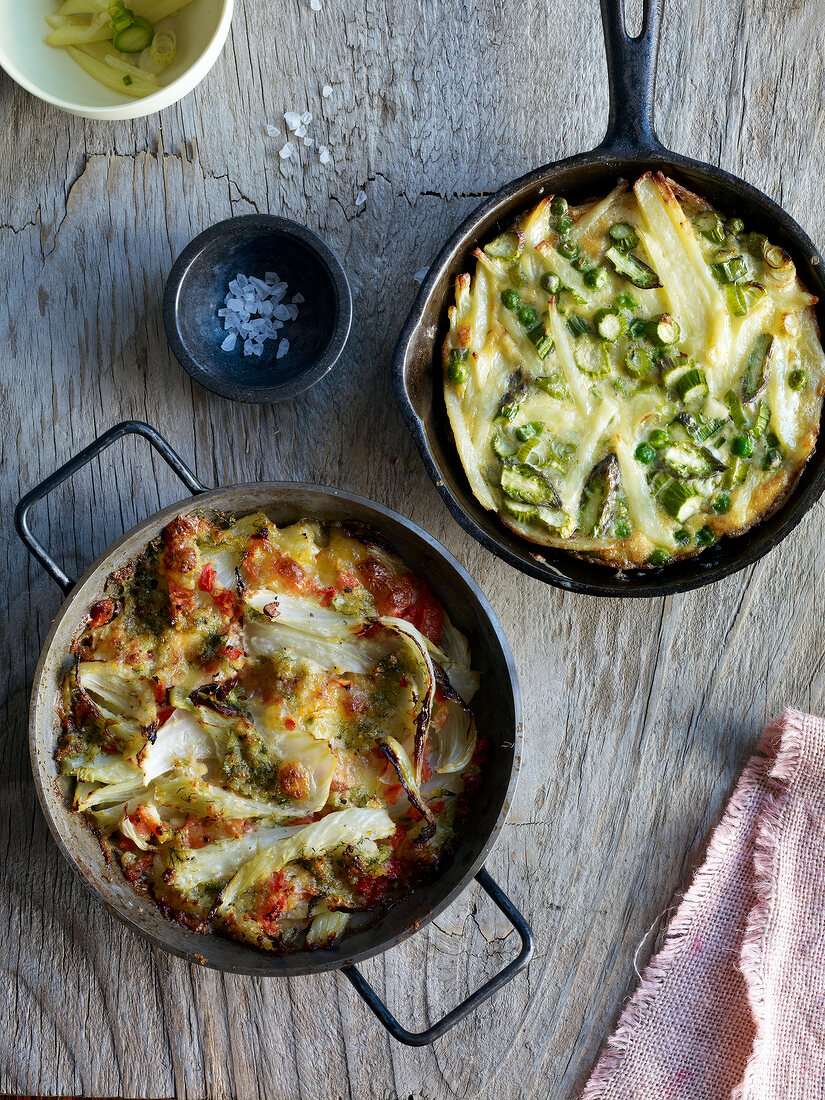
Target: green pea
551, 282
742, 446
564, 224
457, 373
595, 278
644, 453
797, 380
772, 459
721, 504
558, 206
659, 438
527, 316
705, 537
682, 537
567, 248
659, 557
510, 299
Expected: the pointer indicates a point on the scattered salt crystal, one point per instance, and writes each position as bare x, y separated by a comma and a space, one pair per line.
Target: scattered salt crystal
301, 131
324, 154
421, 275
360, 198
298, 299
326, 91
272, 131
253, 311
292, 119
306, 118
315, 5
308, 141
286, 151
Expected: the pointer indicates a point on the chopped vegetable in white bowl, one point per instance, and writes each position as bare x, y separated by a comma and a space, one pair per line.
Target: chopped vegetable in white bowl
107, 60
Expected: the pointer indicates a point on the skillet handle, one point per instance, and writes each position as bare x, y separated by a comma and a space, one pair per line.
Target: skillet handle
422, 1038
631, 74
127, 427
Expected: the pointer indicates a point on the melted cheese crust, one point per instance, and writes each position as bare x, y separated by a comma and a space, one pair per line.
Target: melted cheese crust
270, 727
589, 411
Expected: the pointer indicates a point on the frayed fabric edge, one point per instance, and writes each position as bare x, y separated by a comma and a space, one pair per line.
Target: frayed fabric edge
787, 734
778, 748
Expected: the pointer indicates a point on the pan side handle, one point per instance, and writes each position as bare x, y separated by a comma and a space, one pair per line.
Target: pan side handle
631, 75
422, 1038
127, 427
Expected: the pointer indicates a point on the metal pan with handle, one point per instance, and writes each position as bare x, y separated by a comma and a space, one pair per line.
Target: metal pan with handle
630, 147
497, 709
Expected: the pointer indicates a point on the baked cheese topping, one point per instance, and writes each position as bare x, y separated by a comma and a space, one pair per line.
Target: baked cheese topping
633, 378
270, 727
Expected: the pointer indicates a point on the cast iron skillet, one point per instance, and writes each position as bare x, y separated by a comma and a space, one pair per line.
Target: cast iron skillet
630, 147
498, 712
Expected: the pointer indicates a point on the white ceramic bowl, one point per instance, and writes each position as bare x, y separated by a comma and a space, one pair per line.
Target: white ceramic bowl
51, 74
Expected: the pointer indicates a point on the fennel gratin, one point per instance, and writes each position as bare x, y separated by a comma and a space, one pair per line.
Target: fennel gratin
632, 378
270, 727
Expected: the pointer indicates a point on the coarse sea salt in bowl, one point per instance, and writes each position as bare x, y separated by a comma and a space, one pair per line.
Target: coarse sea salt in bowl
275, 287
51, 74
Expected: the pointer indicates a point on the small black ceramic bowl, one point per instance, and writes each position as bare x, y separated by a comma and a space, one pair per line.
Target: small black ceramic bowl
253, 245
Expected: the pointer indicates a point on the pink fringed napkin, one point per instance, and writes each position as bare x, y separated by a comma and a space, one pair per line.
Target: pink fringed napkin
733, 1006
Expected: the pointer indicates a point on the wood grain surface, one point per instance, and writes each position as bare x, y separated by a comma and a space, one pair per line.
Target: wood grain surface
639, 714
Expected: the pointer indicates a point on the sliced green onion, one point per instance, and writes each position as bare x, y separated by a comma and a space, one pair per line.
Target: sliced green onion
772, 459
636, 327
610, 323
692, 385
728, 266
734, 226
502, 447
754, 292
164, 47
135, 38
590, 355
127, 80
554, 385
663, 331
710, 225
757, 243
737, 301
507, 246
541, 341
763, 419
632, 268
736, 472
638, 362
679, 499
577, 325
524, 513
529, 431
777, 258
624, 235
756, 372
737, 413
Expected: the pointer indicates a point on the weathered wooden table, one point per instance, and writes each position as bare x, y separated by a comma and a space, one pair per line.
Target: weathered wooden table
638, 714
